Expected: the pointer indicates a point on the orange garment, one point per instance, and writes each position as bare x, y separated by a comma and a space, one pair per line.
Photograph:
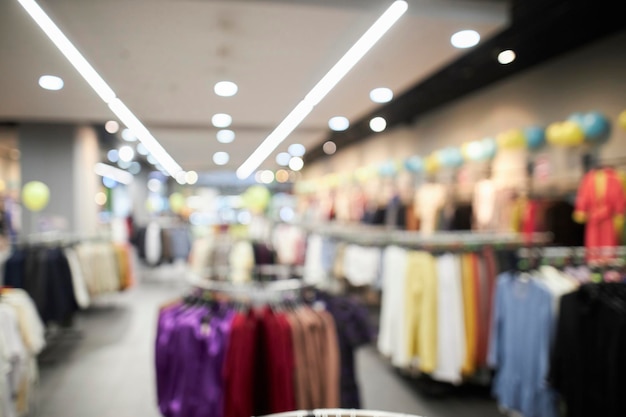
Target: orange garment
600, 204
470, 313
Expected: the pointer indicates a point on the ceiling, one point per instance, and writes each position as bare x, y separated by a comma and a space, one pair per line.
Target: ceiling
162, 58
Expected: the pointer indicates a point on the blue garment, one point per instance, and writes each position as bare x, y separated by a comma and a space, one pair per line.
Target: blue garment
522, 329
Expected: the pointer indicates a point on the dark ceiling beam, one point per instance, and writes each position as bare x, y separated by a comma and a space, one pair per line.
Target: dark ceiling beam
540, 30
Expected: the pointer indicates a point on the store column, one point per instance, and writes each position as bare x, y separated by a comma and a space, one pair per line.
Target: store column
62, 157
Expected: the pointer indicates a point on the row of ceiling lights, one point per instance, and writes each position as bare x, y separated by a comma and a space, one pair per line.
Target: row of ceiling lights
462, 40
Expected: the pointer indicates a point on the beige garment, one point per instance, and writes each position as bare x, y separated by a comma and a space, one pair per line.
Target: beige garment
484, 205
332, 390
429, 200
301, 383
312, 327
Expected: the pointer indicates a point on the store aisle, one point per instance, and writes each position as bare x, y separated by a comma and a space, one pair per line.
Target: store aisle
106, 367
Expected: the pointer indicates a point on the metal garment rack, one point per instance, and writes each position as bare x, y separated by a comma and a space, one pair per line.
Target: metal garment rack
338, 412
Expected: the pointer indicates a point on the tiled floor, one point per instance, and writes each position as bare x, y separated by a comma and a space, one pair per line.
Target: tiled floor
105, 367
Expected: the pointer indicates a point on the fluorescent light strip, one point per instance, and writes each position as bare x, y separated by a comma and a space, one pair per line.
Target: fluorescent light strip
109, 171
100, 87
323, 87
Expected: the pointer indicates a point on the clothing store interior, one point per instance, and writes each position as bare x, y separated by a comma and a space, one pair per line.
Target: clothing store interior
312, 208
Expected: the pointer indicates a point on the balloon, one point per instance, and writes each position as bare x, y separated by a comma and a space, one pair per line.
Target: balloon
256, 198
35, 195
535, 137
511, 139
622, 119
473, 151
567, 133
414, 164
432, 164
387, 169
490, 147
177, 202
594, 124
450, 157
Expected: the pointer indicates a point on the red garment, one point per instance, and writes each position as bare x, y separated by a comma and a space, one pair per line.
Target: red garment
275, 379
239, 367
600, 199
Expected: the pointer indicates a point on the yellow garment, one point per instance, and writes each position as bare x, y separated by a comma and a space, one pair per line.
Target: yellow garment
469, 313
421, 309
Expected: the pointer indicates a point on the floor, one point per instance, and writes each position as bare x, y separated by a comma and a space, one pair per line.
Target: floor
104, 365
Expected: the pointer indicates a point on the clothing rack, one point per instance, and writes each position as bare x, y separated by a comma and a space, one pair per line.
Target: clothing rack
340, 413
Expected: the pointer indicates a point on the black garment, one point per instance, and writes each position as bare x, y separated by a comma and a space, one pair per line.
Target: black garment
45, 275
354, 329
462, 217
558, 221
588, 364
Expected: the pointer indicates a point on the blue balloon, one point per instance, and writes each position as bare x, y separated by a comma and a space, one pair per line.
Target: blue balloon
414, 164
490, 147
450, 157
387, 169
535, 137
596, 127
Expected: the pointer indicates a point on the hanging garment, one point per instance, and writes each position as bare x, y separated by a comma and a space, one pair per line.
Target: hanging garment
600, 203
392, 333
153, 244
421, 309
588, 366
470, 313
520, 344
429, 200
451, 338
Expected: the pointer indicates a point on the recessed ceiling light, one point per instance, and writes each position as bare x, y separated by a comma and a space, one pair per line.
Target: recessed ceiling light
112, 127
134, 168
142, 150
329, 147
154, 185
283, 158
113, 155
296, 149
282, 176
338, 123
126, 153
267, 177
225, 136
506, 57
221, 158
381, 95
465, 39
124, 164
191, 177
181, 177
225, 88
221, 120
51, 82
128, 136
151, 159
378, 124
296, 163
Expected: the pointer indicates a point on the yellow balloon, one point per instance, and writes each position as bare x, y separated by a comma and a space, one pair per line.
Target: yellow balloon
432, 164
35, 195
256, 198
177, 202
511, 139
622, 119
567, 133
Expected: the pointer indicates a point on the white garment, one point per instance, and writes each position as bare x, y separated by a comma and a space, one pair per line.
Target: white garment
314, 272
392, 336
287, 239
361, 264
13, 359
201, 257
557, 283
78, 279
450, 325
153, 243
429, 200
241, 261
